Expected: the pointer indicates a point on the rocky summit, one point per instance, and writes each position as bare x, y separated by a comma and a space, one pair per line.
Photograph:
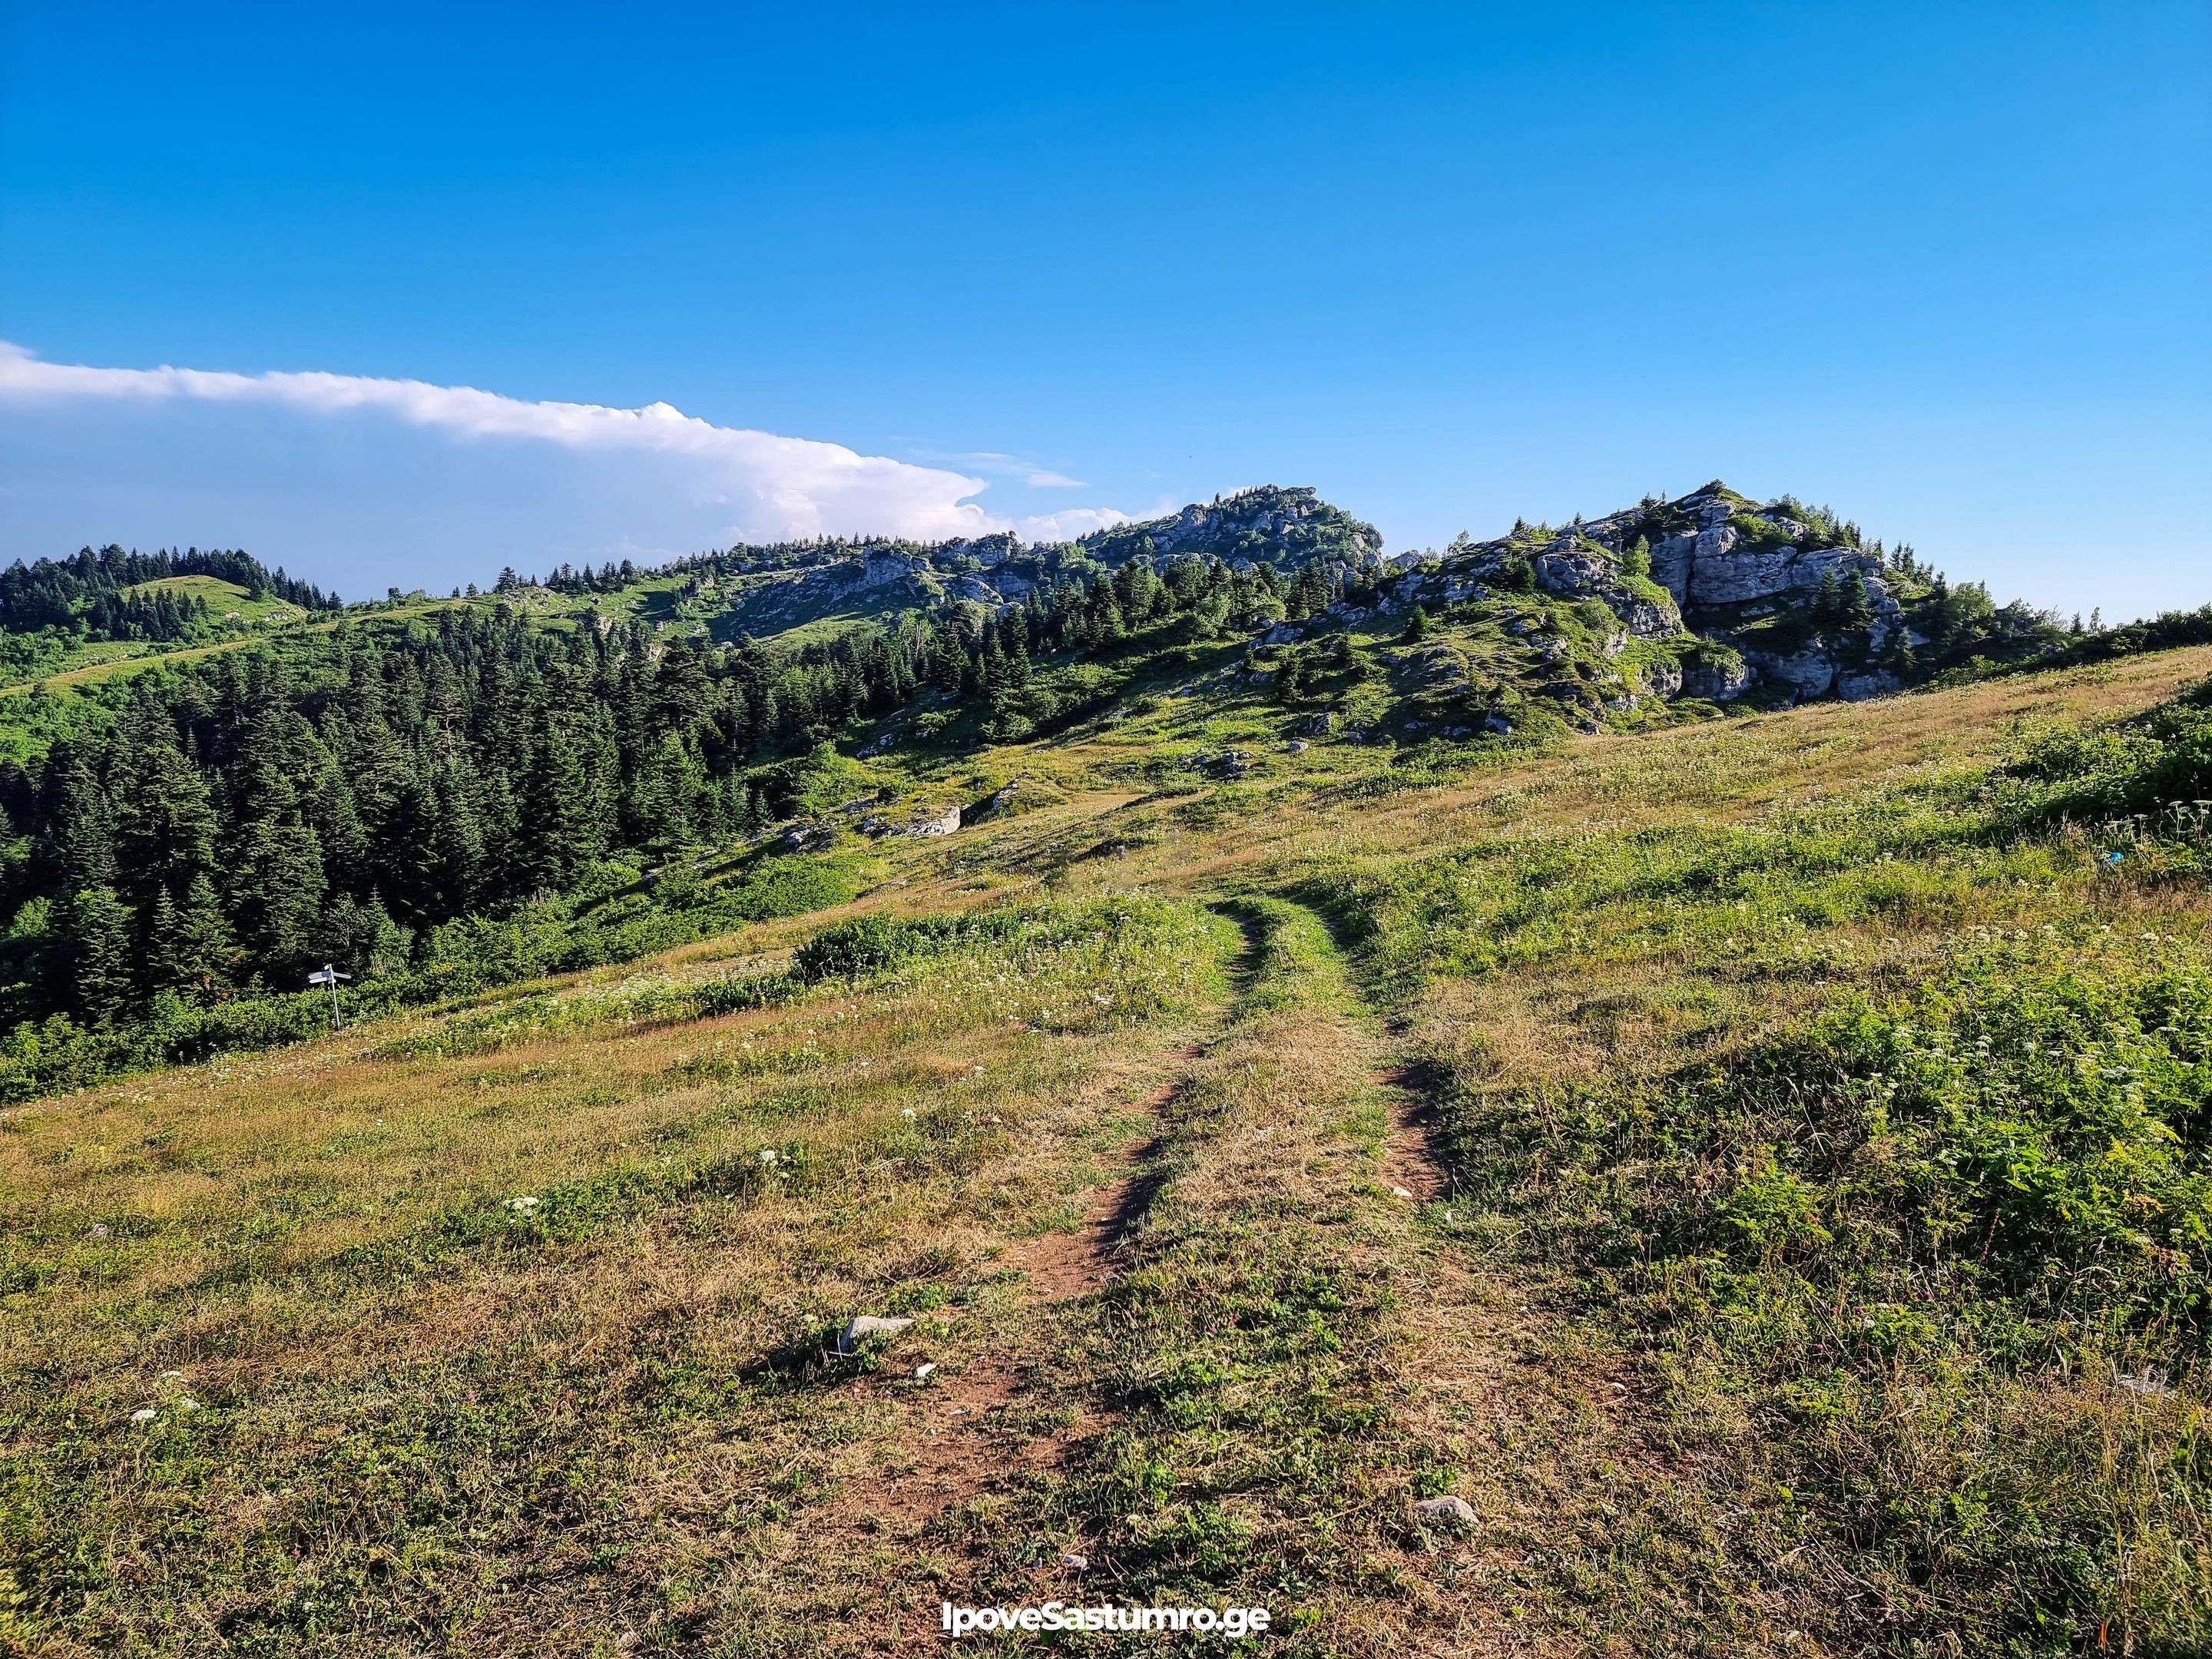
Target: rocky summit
1707, 598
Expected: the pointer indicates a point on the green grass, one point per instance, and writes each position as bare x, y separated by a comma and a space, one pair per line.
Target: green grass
1822, 1268
224, 600
1891, 1148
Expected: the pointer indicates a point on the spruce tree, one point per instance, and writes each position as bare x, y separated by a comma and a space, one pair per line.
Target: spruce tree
97, 943
199, 954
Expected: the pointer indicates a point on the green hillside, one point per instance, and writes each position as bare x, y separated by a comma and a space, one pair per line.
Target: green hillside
224, 600
1632, 1087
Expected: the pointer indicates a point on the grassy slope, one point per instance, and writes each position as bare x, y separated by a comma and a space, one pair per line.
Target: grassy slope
223, 598
98, 663
428, 1422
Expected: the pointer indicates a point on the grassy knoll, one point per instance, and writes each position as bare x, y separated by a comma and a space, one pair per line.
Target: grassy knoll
99, 663
224, 600
1760, 1167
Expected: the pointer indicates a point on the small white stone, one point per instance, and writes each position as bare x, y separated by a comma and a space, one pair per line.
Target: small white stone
867, 1325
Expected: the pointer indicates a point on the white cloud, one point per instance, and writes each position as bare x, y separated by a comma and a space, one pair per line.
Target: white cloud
1068, 524
362, 483
773, 486
999, 464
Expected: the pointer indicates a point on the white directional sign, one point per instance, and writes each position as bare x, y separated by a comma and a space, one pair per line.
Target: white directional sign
328, 974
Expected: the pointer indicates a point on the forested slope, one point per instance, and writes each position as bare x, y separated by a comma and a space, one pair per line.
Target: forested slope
401, 788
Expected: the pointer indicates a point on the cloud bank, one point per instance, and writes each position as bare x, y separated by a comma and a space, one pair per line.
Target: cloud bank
315, 470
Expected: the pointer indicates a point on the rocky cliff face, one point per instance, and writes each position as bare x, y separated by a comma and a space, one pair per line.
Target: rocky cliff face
1725, 569
1711, 595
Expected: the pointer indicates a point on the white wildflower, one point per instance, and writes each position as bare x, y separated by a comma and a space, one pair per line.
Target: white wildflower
143, 1414
524, 1205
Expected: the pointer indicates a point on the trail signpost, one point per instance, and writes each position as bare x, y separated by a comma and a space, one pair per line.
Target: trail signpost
329, 975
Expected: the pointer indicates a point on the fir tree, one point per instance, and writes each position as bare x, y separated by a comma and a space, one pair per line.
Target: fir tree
97, 945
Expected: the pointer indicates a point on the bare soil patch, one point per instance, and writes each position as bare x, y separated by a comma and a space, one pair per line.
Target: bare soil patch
1411, 1163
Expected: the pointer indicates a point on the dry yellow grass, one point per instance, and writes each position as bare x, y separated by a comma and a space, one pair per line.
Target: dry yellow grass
431, 1423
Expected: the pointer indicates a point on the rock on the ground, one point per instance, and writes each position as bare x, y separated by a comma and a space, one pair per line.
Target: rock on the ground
859, 1330
1446, 1508
938, 823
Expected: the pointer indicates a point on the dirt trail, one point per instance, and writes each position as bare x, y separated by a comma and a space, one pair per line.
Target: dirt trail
1064, 1265
1412, 1165
970, 1438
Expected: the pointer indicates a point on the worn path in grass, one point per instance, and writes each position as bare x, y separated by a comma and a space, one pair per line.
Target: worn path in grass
961, 1448
1277, 1362
1457, 1369
982, 1425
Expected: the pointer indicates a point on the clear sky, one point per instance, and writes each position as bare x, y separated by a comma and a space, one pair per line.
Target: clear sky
1947, 268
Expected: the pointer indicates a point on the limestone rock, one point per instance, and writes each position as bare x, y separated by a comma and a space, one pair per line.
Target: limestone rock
1574, 569
859, 1330
1449, 1510
1807, 673
1718, 678
942, 822
1876, 683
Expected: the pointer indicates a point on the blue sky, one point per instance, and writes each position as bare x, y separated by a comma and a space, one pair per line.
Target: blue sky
1947, 268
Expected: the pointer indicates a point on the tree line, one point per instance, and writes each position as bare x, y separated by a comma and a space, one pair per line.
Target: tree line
240, 818
70, 593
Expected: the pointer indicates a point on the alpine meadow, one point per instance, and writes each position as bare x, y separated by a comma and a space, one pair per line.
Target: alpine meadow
1640, 1086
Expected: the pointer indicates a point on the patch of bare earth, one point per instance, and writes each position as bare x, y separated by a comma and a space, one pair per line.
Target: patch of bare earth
975, 1431
1412, 1166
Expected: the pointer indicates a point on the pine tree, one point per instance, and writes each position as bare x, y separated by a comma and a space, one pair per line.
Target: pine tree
198, 953
96, 942
164, 827
559, 831
84, 827
1827, 607
1854, 611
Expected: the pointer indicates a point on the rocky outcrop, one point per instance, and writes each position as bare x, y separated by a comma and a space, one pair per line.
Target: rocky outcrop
1267, 523
1718, 678
1713, 560
1875, 683
1807, 673
1573, 568
944, 821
